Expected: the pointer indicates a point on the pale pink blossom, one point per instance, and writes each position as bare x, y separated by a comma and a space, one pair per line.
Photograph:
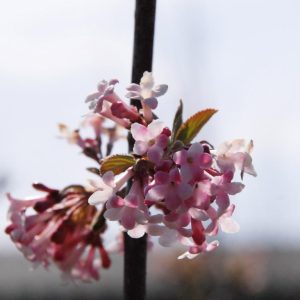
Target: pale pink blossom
107, 113
236, 154
195, 250
149, 140
57, 229
129, 211
105, 92
170, 188
107, 186
147, 93
192, 162
221, 187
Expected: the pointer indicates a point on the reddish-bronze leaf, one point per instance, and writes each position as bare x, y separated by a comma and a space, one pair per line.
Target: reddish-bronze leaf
190, 128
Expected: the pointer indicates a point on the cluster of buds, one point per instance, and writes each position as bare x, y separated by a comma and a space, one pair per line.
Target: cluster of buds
179, 190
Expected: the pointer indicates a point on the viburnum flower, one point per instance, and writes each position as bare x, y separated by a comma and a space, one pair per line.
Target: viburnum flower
192, 161
129, 211
59, 231
105, 92
236, 153
107, 187
170, 187
150, 139
147, 93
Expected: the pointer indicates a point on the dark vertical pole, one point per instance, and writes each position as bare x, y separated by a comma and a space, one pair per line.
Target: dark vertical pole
136, 249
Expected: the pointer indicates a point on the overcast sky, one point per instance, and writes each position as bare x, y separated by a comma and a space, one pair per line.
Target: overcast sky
239, 56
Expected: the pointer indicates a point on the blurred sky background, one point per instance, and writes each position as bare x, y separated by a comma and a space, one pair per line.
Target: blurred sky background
239, 56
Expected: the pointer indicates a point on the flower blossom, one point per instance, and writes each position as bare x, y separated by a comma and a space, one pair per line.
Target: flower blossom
59, 232
107, 187
149, 140
236, 153
169, 187
147, 93
105, 92
192, 161
129, 211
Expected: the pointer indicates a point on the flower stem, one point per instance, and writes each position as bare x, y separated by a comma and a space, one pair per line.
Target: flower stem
136, 249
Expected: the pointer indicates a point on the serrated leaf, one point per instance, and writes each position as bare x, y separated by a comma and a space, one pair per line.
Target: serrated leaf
117, 163
190, 128
177, 120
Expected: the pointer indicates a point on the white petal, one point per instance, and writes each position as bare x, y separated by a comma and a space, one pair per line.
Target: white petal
100, 197
188, 255
137, 232
228, 225
155, 128
212, 246
147, 80
109, 179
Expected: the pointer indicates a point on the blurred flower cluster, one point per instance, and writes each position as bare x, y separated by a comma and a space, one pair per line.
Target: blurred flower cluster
168, 187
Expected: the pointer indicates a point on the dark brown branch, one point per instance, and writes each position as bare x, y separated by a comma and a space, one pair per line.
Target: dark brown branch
136, 249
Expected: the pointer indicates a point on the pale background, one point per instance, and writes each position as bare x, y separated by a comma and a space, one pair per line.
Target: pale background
239, 56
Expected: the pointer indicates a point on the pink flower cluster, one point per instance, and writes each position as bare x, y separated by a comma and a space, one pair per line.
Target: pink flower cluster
181, 196
56, 228
179, 190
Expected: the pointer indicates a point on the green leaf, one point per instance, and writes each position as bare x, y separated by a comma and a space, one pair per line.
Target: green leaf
177, 120
117, 163
190, 128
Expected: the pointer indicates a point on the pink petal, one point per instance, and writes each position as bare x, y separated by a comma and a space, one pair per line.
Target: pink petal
160, 90
113, 214
233, 187
205, 160
140, 132
223, 200
128, 218
180, 157
140, 147
133, 87
155, 154
198, 214
151, 102
157, 193
133, 95
92, 97
109, 179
